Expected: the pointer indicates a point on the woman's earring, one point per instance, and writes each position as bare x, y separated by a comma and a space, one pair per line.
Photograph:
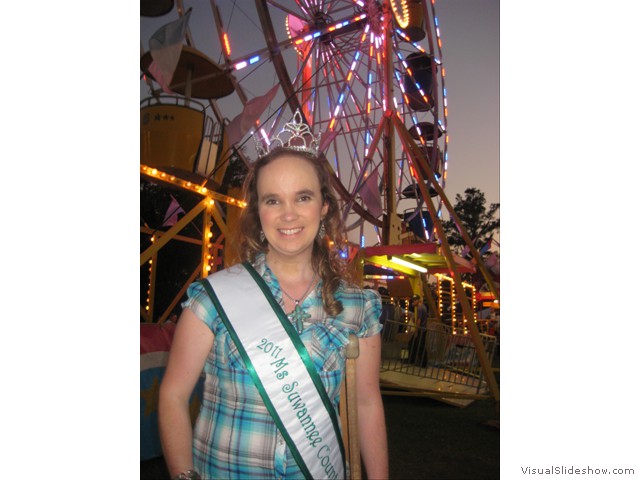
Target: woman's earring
322, 231
262, 237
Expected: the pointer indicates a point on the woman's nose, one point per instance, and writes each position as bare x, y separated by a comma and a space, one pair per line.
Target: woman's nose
289, 211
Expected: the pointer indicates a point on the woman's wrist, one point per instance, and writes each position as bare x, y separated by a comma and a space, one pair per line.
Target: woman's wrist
188, 475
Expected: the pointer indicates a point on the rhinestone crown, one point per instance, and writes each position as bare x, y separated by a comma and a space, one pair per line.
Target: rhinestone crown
295, 135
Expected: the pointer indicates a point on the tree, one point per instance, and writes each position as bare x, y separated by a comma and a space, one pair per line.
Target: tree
479, 222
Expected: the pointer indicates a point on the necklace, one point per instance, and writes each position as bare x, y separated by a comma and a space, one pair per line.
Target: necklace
298, 314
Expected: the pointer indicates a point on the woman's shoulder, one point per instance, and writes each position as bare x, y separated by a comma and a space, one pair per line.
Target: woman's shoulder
351, 291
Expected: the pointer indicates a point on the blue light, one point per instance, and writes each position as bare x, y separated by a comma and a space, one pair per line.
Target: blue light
254, 60
340, 98
316, 35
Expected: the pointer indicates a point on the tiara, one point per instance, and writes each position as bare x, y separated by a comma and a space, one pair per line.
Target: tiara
295, 135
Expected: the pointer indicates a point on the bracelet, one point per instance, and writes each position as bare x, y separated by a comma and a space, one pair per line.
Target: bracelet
188, 475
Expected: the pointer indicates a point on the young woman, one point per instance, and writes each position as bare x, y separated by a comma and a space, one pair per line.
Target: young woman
269, 405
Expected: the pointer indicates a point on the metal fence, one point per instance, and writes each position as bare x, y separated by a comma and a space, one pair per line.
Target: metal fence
434, 352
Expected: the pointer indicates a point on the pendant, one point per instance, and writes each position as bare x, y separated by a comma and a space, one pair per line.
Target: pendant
299, 315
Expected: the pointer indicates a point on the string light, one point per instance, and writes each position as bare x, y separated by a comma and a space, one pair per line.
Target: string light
199, 189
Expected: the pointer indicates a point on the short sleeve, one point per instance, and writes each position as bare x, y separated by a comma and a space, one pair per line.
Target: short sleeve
201, 305
372, 311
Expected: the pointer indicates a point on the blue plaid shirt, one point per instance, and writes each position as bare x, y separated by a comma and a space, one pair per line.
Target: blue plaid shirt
234, 436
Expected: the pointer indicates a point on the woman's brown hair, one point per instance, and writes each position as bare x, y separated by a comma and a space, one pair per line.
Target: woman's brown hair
325, 259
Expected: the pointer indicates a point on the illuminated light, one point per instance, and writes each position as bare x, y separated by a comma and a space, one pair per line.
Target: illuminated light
407, 264
349, 75
254, 59
227, 45
444, 72
264, 136
439, 43
338, 26
307, 38
333, 122
331, 29
336, 111
211, 202
210, 234
241, 65
154, 172
208, 268
316, 35
203, 189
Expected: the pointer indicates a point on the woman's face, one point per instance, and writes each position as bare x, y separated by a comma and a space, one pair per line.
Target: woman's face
290, 206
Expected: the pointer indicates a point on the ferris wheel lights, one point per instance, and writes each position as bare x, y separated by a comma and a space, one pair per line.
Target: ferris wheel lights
227, 45
253, 60
241, 65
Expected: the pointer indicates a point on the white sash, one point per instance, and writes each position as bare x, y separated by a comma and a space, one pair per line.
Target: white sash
281, 369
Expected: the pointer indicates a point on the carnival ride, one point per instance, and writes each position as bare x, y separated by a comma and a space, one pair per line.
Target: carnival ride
370, 77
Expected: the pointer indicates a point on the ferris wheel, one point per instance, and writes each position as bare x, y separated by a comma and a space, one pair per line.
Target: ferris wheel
347, 65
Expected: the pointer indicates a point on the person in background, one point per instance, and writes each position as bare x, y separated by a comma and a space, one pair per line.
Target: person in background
418, 341
256, 395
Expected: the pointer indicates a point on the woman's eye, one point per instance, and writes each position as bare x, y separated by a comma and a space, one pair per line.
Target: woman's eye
271, 201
